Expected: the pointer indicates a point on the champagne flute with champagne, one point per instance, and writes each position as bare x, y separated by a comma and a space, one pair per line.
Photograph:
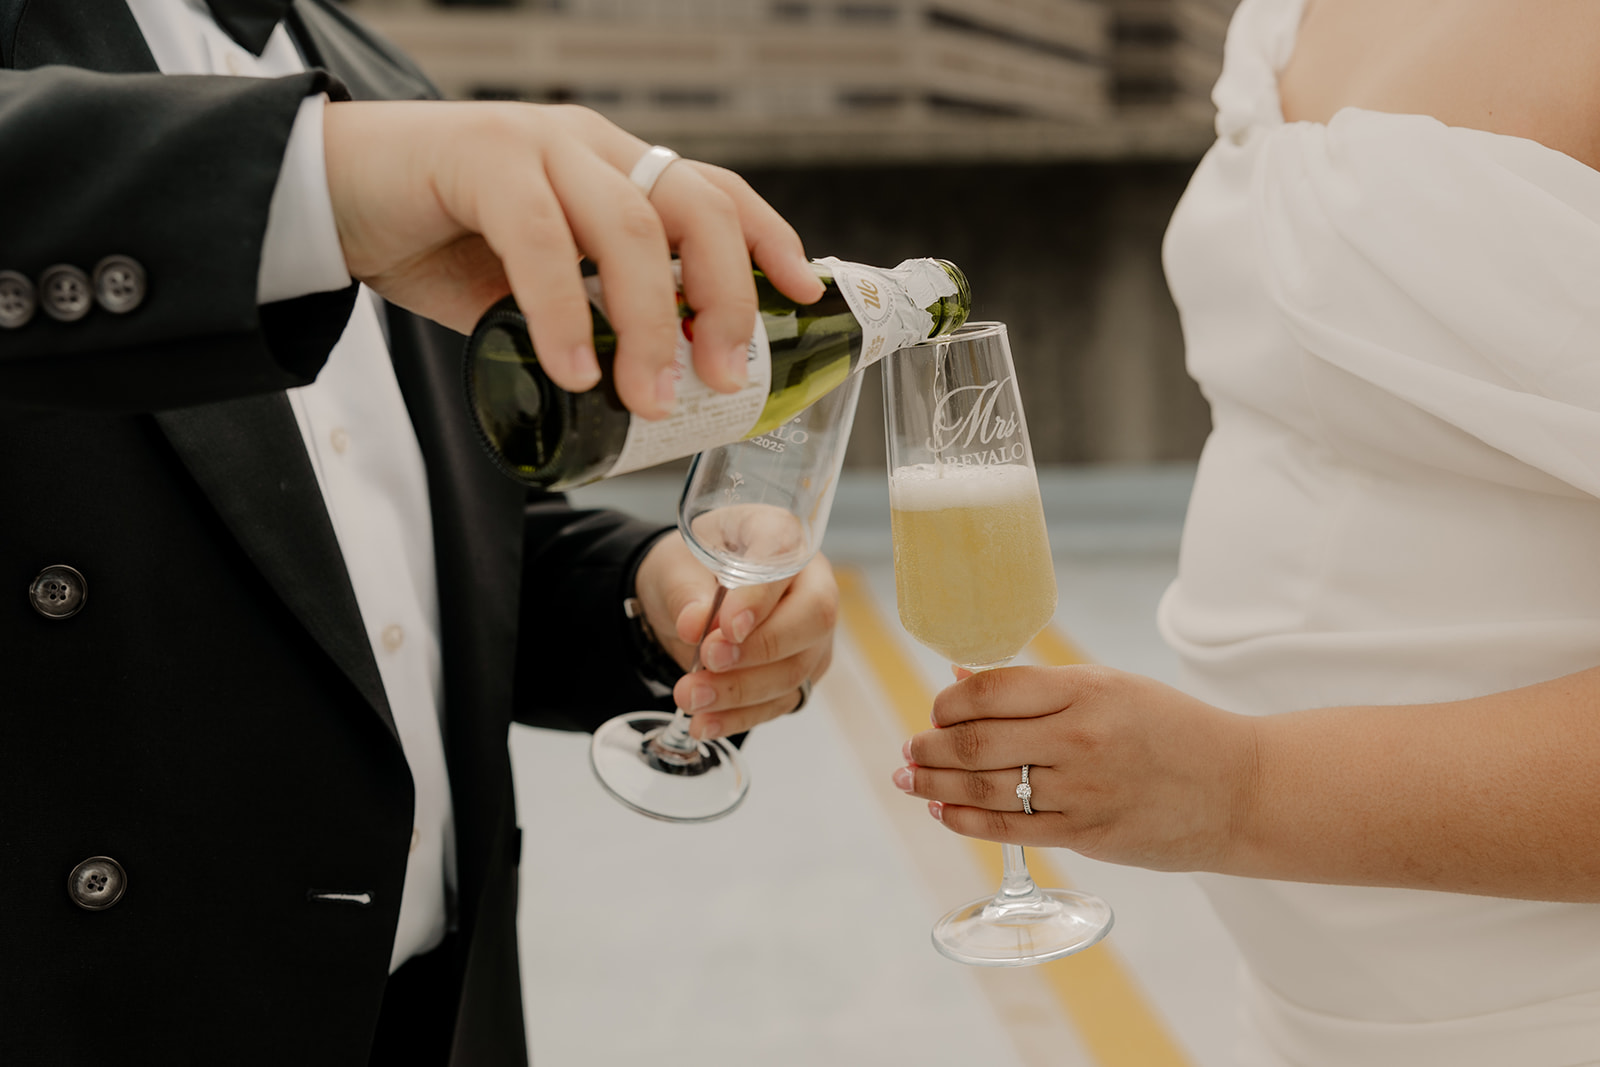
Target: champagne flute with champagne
975, 582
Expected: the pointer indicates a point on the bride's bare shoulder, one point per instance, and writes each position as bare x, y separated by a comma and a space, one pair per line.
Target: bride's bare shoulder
1522, 67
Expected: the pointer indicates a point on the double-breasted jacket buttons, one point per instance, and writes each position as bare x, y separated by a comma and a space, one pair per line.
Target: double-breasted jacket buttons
119, 284
97, 883
64, 293
17, 300
58, 592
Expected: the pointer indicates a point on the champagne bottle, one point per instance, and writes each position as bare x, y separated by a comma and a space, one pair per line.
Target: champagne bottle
546, 437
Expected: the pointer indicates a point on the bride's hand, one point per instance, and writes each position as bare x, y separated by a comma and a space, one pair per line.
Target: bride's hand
1123, 768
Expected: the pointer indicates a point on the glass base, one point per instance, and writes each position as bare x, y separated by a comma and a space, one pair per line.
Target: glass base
704, 783
996, 932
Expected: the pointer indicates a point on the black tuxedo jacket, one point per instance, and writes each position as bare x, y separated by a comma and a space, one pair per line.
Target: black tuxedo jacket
213, 718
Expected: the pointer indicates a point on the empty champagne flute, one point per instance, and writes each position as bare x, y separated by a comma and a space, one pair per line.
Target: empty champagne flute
753, 511
975, 582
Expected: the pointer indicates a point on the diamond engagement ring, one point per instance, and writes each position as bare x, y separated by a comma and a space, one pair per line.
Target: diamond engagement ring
649, 168
1025, 791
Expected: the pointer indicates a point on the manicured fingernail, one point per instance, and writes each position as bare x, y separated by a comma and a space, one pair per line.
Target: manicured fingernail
719, 655
936, 809
738, 364
905, 750
666, 387
821, 288
902, 779
702, 696
742, 625
585, 367
712, 731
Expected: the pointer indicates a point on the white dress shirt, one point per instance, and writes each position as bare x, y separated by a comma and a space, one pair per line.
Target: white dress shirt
362, 447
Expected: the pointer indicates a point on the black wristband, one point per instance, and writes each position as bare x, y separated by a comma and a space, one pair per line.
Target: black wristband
654, 664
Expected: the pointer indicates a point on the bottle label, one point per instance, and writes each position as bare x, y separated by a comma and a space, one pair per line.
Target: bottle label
890, 302
702, 417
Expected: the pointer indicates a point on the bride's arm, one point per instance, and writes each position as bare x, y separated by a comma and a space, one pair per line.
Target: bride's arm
1497, 795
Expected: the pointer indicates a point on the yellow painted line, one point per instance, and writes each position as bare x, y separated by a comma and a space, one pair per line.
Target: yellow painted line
1056, 648
1117, 1025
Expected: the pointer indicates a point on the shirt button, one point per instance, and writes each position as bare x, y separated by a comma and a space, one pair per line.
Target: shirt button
234, 64
339, 439
416, 838
393, 637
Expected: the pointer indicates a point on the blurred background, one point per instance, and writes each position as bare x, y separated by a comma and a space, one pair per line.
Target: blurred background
1039, 144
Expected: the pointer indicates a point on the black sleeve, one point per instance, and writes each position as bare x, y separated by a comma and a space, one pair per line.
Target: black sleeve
175, 172
577, 661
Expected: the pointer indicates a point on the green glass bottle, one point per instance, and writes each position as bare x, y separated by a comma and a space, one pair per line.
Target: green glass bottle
543, 436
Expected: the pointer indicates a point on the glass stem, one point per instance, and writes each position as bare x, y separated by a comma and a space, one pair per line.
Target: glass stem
675, 738
1016, 884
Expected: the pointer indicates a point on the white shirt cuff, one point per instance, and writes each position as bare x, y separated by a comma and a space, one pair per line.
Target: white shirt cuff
301, 253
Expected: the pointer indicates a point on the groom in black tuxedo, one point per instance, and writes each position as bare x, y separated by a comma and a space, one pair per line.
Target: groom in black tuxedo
208, 795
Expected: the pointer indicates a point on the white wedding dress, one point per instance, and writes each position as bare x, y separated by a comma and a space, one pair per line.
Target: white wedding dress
1397, 324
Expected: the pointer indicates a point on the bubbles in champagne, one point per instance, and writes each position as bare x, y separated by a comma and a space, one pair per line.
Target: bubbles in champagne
929, 486
973, 572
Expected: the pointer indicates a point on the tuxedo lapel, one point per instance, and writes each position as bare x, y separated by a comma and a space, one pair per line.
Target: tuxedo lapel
248, 457
99, 35
369, 67
478, 531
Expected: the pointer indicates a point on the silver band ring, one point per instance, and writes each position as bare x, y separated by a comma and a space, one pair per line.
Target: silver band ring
648, 170
805, 695
1025, 791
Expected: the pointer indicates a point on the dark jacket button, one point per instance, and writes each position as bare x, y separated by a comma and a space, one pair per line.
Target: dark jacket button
58, 592
119, 284
64, 293
97, 883
17, 300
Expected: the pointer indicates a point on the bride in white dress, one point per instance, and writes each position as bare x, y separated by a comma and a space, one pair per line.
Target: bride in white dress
1388, 273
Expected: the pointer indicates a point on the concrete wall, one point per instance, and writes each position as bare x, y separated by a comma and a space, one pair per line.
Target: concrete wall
1067, 255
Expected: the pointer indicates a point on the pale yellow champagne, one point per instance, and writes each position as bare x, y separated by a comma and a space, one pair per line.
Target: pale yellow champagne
972, 566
